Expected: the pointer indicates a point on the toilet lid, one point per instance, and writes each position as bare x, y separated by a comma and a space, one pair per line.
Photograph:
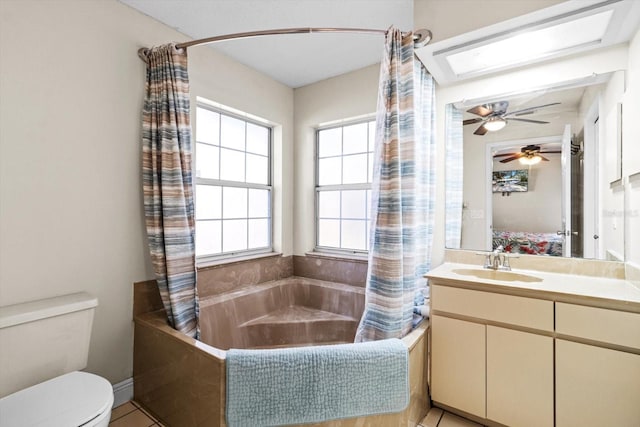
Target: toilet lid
72, 399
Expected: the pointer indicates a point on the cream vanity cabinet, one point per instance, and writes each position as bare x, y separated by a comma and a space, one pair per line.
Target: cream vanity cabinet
598, 380
515, 361
504, 374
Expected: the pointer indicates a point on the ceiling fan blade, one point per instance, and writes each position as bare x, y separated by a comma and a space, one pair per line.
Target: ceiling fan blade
543, 157
504, 155
528, 120
550, 152
526, 110
481, 130
472, 121
480, 110
517, 156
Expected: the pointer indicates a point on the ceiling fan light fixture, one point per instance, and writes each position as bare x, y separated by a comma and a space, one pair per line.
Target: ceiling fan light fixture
495, 123
530, 160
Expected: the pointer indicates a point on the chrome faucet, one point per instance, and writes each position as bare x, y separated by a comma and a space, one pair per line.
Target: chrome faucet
497, 260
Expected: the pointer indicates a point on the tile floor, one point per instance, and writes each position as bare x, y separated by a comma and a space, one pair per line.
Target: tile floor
131, 414
439, 418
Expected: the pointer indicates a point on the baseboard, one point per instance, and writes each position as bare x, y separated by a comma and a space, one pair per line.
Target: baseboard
122, 392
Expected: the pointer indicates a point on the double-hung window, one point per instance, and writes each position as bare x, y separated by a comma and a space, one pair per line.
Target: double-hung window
344, 165
233, 184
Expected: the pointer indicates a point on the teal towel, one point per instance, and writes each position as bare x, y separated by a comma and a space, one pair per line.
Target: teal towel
313, 384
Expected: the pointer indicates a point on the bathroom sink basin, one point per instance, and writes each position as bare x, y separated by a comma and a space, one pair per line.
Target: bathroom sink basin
505, 276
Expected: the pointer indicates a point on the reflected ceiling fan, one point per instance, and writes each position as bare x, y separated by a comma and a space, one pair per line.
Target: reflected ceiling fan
494, 116
528, 155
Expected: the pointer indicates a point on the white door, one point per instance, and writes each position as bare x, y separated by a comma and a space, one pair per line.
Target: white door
566, 191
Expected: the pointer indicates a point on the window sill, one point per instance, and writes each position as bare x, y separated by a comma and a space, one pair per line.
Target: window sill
206, 265
362, 258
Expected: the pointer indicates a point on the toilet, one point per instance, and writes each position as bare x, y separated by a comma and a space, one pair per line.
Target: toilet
43, 346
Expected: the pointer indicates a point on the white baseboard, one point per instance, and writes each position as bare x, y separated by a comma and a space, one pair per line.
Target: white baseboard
122, 392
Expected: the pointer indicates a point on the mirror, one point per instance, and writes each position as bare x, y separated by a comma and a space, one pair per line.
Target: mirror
540, 170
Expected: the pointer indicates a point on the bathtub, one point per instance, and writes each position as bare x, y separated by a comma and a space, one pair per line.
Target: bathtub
181, 381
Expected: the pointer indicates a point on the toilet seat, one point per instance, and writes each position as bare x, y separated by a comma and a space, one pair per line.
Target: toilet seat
73, 399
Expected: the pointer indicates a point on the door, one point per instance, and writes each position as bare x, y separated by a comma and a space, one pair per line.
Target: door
458, 364
596, 386
566, 191
519, 378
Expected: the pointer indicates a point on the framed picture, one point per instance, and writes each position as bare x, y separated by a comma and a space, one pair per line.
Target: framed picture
511, 181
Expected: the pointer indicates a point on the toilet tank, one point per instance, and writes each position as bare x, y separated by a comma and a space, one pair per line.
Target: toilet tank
43, 339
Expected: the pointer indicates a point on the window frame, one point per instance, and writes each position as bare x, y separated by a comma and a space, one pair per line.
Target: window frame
211, 259
367, 186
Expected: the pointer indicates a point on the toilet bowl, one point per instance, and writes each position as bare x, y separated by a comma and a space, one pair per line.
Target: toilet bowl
70, 400
44, 345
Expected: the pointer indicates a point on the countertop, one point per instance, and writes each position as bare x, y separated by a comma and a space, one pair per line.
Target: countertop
618, 294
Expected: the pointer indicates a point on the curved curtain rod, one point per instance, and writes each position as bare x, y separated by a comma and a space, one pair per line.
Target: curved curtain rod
420, 37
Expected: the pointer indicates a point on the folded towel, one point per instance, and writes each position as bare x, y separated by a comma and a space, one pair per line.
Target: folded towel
313, 384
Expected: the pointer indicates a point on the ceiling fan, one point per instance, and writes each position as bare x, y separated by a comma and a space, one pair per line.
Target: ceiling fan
529, 155
494, 116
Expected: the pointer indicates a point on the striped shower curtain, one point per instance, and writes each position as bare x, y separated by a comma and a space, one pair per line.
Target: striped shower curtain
403, 192
454, 174
167, 184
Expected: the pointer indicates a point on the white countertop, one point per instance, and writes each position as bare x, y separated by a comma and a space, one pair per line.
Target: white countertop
595, 291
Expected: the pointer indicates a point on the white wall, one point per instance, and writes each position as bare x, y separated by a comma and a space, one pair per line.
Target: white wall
347, 96
612, 232
631, 153
70, 190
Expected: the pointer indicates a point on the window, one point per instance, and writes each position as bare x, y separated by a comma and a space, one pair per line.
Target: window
233, 184
344, 168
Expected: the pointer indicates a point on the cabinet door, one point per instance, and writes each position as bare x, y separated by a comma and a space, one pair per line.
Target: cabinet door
596, 386
519, 378
458, 364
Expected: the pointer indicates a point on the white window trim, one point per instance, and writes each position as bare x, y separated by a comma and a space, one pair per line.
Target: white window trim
330, 251
233, 256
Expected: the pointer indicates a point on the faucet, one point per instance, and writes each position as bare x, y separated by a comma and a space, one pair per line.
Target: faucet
497, 259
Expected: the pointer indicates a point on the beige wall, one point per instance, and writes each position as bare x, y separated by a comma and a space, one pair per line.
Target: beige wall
529, 205
347, 96
537, 210
449, 18
70, 190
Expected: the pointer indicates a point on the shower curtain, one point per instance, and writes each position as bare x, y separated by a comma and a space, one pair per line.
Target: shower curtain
454, 168
167, 184
403, 192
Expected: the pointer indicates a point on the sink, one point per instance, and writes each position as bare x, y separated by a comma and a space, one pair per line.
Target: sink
505, 276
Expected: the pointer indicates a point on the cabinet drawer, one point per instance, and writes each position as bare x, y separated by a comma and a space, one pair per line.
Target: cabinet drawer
520, 311
599, 324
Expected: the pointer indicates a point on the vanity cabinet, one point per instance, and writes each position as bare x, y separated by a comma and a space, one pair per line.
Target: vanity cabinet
490, 371
521, 361
596, 385
458, 364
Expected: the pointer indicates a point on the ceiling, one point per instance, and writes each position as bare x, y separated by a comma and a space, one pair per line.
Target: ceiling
294, 60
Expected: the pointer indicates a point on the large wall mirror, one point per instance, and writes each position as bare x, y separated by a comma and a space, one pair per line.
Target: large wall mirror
540, 170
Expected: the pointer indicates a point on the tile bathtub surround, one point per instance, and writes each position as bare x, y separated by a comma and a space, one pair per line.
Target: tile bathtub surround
577, 266
178, 380
181, 382
146, 297
221, 278
292, 311
331, 269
